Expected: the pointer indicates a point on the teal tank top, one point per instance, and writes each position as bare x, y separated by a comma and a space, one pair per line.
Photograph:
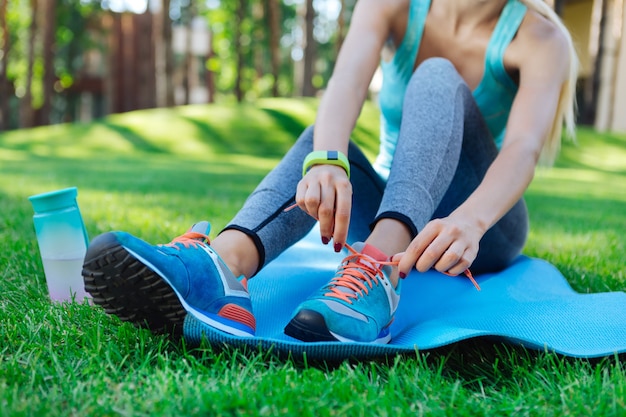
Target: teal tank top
494, 94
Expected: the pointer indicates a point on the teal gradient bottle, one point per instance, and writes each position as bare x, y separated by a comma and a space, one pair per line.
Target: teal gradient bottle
63, 241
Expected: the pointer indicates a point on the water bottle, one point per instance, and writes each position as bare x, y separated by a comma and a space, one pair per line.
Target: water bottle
62, 240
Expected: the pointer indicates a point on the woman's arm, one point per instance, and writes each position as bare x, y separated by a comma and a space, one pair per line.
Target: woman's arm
325, 192
348, 87
451, 244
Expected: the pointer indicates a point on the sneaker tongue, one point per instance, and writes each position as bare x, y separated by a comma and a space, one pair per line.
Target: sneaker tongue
203, 227
371, 251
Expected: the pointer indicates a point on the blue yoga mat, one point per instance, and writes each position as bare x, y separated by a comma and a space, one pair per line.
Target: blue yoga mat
530, 303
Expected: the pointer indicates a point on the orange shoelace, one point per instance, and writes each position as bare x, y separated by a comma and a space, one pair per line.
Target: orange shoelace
358, 273
354, 277
188, 239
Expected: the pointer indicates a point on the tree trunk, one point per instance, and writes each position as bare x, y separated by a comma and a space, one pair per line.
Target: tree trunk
258, 55
49, 76
273, 22
163, 66
128, 83
210, 75
26, 104
4, 82
188, 73
169, 54
341, 26
241, 14
116, 76
145, 74
309, 51
592, 86
187, 66
159, 59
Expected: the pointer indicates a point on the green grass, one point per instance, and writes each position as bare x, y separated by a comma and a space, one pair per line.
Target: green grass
153, 173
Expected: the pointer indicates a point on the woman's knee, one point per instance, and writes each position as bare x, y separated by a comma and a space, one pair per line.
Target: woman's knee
440, 76
436, 66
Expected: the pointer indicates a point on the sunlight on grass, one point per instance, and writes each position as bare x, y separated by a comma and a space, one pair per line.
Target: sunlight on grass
193, 132
584, 258
117, 194
13, 155
63, 140
583, 183
154, 173
609, 158
606, 154
577, 213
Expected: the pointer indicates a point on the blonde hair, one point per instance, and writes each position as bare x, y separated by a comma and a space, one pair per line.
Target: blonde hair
566, 109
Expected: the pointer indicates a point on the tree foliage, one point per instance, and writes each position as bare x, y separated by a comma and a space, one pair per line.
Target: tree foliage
257, 49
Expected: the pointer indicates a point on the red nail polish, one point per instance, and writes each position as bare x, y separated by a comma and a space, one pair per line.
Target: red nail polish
337, 247
402, 275
325, 240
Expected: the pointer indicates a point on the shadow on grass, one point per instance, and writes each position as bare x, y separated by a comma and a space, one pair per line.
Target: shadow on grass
57, 137
163, 179
489, 362
241, 139
478, 364
286, 121
209, 135
139, 142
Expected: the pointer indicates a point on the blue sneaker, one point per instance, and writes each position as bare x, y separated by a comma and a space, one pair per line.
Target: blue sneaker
156, 286
357, 305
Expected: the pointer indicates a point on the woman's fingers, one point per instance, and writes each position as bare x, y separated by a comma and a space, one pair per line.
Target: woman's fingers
452, 259
325, 193
441, 245
325, 213
414, 255
408, 259
308, 197
464, 263
343, 207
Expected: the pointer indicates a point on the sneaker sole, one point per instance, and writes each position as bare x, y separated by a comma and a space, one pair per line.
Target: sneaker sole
225, 320
127, 288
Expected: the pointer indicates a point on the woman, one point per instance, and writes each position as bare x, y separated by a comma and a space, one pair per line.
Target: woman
474, 91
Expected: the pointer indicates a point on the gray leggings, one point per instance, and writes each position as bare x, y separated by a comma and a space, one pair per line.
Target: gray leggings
443, 152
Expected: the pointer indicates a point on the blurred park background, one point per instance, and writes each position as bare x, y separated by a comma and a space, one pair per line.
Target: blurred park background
77, 60
85, 66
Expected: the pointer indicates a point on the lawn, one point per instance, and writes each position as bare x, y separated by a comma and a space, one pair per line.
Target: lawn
153, 173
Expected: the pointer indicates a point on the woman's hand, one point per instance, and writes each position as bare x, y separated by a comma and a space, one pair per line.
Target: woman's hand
449, 245
325, 193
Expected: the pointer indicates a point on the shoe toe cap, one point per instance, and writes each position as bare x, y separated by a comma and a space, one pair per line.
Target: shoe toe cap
309, 326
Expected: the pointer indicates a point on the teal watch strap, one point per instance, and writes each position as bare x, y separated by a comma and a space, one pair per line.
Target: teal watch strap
326, 158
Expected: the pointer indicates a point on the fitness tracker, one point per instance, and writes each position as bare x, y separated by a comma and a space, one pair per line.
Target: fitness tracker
326, 158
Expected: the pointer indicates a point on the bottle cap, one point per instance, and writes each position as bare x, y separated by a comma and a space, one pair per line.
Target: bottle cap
54, 200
